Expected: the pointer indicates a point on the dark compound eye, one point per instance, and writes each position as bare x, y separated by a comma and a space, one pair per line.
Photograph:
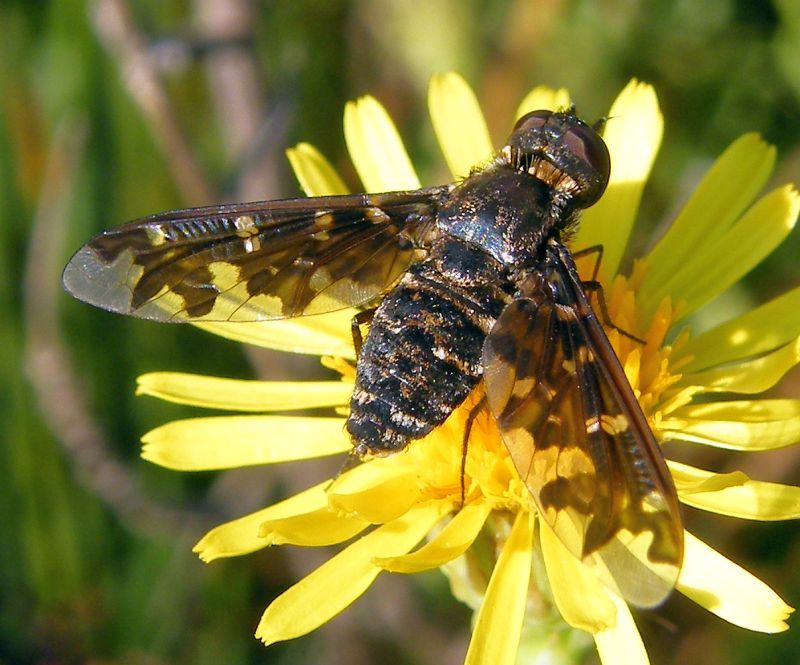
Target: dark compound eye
533, 120
581, 139
570, 145
585, 143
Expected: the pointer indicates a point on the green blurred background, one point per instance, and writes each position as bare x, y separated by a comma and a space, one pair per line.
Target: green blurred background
110, 110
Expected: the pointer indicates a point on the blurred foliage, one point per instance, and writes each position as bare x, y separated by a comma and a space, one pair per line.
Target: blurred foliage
89, 572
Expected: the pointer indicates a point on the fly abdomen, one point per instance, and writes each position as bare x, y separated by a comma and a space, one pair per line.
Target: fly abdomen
422, 356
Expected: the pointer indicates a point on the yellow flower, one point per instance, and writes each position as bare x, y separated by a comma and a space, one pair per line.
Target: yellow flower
500, 559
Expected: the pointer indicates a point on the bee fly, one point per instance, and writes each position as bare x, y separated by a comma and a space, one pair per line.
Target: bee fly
479, 287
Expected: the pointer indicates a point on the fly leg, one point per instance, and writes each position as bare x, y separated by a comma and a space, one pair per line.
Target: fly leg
594, 286
474, 411
356, 322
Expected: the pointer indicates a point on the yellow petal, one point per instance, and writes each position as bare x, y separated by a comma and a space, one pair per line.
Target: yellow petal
751, 376
314, 173
730, 592
690, 479
758, 331
578, 593
376, 149
723, 194
315, 528
378, 491
706, 274
335, 584
458, 123
543, 97
241, 536
320, 335
633, 135
621, 644
226, 442
452, 541
734, 494
236, 395
497, 628
750, 425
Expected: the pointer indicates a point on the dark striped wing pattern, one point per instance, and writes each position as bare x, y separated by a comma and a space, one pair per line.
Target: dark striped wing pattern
578, 437
255, 261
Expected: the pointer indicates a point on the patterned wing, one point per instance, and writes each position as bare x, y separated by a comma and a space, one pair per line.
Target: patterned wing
255, 261
579, 439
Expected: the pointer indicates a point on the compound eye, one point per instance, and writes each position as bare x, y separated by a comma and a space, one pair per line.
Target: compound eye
533, 120
586, 144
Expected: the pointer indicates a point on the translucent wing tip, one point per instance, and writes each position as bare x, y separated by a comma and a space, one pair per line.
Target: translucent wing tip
97, 282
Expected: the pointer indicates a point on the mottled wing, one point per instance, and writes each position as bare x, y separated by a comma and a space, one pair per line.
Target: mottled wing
579, 439
255, 261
